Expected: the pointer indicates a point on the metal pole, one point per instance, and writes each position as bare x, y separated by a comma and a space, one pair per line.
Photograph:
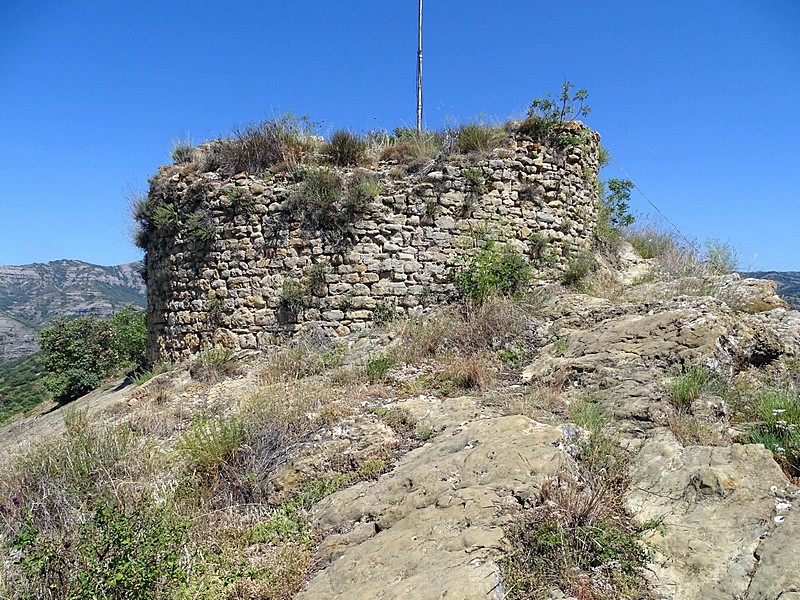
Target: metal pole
419, 72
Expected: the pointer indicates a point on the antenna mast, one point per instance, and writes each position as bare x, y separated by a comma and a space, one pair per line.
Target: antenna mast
419, 71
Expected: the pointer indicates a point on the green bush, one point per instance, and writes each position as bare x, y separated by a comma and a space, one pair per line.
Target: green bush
614, 211
182, 152
211, 443
79, 354
361, 189
547, 117
319, 197
255, 148
779, 428
295, 296
21, 385
413, 149
199, 226
477, 137
119, 552
720, 258
345, 149
688, 386
493, 270
578, 269
323, 200
650, 242
377, 367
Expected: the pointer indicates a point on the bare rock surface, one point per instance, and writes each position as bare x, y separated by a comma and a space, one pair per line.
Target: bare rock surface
723, 516
432, 528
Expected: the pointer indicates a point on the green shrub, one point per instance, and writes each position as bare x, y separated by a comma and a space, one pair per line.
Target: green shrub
21, 385
589, 414
79, 354
119, 552
649, 242
345, 149
493, 270
361, 189
377, 367
211, 443
779, 428
688, 387
199, 226
319, 197
577, 537
614, 210
477, 137
413, 149
166, 217
720, 258
295, 296
385, 311
182, 152
255, 148
578, 269
547, 117
603, 156
475, 179
213, 364
328, 205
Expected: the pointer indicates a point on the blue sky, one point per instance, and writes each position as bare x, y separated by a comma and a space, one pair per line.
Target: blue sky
696, 99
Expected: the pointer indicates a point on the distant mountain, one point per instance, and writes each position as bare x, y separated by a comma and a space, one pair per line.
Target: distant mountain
31, 296
788, 284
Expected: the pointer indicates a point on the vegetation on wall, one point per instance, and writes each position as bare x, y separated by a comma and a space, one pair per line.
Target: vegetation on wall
330, 205
495, 269
548, 116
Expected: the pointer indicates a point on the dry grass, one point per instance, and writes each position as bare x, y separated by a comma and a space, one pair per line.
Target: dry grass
577, 537
693, 431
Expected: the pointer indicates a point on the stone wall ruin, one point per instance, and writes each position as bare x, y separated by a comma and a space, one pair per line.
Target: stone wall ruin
236, 262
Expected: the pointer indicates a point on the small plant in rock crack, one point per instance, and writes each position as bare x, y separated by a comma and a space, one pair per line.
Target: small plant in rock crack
385, 311
378, 366
294, 298
688, 386
475, 180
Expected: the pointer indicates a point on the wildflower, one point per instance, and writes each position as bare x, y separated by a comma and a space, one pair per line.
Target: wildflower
94, 473
16, 501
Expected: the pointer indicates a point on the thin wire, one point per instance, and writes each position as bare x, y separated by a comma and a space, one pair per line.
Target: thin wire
658, 210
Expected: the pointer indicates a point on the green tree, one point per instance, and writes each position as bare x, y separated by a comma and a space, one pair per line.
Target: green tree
79, 354
617, 202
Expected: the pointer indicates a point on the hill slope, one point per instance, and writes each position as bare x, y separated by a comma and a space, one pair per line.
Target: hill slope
32, 295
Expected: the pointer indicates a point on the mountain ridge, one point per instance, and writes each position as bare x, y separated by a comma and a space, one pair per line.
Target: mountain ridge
32, 295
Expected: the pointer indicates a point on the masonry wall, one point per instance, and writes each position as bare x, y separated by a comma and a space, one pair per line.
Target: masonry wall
259, 269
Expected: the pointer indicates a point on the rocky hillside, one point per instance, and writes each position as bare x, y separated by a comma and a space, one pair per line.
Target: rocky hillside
32, 295
632, 439
788, 284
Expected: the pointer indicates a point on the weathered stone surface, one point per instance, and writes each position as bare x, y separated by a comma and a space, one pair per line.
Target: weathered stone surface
752, 295
433, 526
717, 507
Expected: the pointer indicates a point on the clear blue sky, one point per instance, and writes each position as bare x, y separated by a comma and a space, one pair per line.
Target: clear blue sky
696, 99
